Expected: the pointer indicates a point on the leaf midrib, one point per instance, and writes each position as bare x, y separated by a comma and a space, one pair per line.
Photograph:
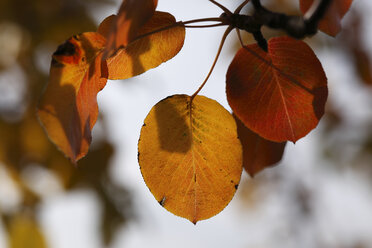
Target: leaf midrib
193, 156
275, 73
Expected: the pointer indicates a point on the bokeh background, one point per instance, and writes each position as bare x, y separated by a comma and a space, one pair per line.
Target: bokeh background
320, 195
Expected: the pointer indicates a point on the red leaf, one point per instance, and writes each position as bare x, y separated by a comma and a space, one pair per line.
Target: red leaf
68, 108
279, 94
258, 153
133, 14
331, 22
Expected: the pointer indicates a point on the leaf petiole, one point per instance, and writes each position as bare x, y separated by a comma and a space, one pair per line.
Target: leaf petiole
184, 23
228, 30
209, 19
221, 7
206, 26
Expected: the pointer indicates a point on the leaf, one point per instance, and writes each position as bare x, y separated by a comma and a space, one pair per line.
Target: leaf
150, 51
68, 108
331, 22
190, 156
133, 14
105, 26
258, 153
280, 94
25, 232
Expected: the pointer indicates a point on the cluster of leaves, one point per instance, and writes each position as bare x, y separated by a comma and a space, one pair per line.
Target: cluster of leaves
81, 66
192, 150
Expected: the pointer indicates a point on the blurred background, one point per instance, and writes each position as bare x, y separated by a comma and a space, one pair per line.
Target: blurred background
319, 195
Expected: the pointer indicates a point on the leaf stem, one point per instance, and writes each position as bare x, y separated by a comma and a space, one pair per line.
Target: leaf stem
209, 19
228, 30
239, 36
261, 41
182, 23
206, 26
240, 7
221, 7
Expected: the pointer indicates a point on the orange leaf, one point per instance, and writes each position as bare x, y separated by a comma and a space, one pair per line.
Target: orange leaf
105, 26
331, 22
190, 156
280, 94
68, 108
258, 153
133, 14
149, 51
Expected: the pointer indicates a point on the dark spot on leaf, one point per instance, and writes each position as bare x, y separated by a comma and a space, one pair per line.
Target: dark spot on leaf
144, 125
236, 186
194, 178
76, 37
55, 63
162, 201
67, 49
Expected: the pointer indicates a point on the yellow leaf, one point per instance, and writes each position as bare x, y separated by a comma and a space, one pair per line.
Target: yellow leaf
24, 232
132, 15
190, 156
147, 52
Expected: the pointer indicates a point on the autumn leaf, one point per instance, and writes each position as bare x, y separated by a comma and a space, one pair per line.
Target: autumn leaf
25, 232
279, 94
106, 25
331, 22
190, 156
68, 109
132, 15
258, 153
149, 51
352, 42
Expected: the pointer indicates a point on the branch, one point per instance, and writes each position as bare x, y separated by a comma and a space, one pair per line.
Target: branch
316, 12
257, 4
296, 26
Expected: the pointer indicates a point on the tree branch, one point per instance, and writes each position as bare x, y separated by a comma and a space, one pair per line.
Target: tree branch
296, 26
316, 12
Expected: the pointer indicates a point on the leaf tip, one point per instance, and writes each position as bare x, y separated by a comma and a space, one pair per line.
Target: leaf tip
74, 162
252, 174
